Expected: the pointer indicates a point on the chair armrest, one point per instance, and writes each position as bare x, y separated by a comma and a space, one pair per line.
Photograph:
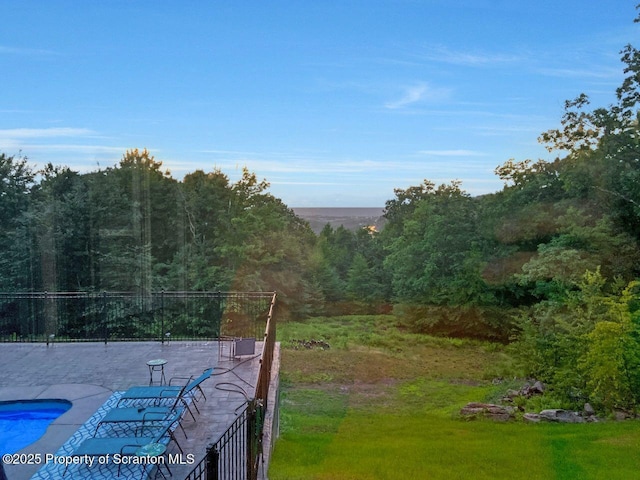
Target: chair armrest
147, 417
134, 446
188, 379
162, 392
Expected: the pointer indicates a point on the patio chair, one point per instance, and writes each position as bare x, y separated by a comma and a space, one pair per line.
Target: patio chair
123, 446
145, 416
166, 392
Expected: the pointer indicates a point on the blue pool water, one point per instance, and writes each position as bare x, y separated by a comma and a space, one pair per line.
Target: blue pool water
23, 422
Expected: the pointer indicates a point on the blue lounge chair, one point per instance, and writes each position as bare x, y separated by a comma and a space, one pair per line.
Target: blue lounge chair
141, 417
124, 446
167, 392
144, 415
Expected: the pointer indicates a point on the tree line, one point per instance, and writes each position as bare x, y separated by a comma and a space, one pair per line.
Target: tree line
133, 227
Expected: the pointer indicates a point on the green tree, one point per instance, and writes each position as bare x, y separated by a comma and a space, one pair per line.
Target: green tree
16, 241
134, 210
434, 259
204, 231
603, 147
585, 346
59, 218
362, 283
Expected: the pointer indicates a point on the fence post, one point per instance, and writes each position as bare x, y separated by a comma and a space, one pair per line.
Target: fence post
105, 332
253, 431
211, 472
162, 332
45, 310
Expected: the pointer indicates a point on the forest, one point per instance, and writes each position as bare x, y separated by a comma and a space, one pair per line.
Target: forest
550, 263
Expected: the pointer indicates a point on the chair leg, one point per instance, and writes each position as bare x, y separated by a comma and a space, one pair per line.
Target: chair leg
188, 409
175, 440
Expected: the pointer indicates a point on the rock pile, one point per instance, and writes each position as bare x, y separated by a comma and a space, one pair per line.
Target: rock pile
505, 413
487, 410
527, 391
310, 344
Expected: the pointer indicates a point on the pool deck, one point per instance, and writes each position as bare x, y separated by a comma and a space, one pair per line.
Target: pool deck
88, 373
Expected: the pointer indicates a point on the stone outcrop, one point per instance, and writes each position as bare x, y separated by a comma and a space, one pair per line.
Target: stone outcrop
588, 410
487, 410
561, 416
310, 344
528, 390
512, 396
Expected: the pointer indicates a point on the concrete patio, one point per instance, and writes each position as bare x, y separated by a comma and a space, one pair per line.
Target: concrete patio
87, 374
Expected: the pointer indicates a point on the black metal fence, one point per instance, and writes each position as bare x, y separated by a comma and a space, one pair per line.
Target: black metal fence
239, 451
236, 454
121, 316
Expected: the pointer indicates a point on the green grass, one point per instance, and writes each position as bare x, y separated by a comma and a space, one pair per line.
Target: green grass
382, 404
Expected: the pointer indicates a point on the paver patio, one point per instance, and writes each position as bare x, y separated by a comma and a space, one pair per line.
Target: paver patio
87, 374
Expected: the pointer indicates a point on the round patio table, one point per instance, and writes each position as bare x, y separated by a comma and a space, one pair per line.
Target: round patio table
152, 450
157, 365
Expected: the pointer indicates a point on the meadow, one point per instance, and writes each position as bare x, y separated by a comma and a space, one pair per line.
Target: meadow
379, 402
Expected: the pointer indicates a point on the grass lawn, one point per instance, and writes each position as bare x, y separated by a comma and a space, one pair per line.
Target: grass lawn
382, 404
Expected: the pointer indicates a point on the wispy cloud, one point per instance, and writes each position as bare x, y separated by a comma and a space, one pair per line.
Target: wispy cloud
418, 93
452, 153
32, 133
31, 138
91, 149
444, 54
315, 166
74, 147
499, 130
601, 72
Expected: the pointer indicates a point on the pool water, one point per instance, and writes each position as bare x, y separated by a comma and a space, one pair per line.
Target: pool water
23, 422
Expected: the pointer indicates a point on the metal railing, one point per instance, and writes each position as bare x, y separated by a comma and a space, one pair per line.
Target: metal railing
236, 454
239, 450
266, 360
121, 316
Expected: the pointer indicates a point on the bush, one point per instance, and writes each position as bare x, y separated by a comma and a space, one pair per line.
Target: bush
483, 323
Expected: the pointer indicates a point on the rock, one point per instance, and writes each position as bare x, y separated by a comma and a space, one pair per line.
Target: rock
487, 410
511, 393
588, 410
310, 344
620, 415
537, 388
531, 417
561, 416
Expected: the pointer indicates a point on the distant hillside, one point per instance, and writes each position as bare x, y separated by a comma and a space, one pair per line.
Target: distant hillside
350, 218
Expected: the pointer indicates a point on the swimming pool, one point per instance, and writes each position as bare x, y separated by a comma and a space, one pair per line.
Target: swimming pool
22, 422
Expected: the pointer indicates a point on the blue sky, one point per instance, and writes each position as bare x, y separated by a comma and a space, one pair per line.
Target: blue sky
335, 103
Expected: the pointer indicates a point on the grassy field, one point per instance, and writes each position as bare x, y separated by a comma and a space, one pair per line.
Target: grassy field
382, 403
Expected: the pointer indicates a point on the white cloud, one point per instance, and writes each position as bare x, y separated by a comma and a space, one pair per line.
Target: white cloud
317, 166
418, 93
31, 133
601, 72
93, 149
29, 139
473, 59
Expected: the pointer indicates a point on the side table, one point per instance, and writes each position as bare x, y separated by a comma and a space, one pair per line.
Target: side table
157, 365
154, 454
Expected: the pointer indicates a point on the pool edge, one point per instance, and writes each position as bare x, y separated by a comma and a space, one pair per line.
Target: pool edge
85, 400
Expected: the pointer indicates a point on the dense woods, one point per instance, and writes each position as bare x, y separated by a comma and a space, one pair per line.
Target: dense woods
550, 262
